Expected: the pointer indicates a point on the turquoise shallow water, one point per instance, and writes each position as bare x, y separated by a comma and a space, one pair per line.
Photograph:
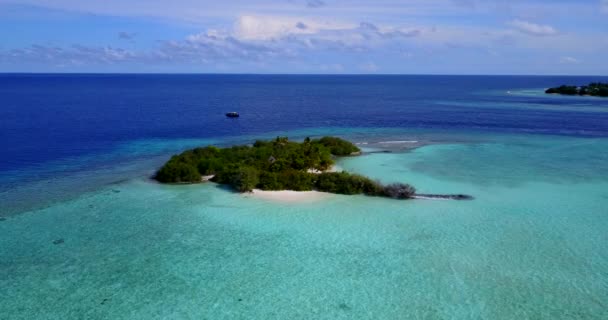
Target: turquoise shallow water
531, 246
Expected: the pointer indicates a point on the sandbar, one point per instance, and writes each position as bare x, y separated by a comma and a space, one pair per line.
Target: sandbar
289, 196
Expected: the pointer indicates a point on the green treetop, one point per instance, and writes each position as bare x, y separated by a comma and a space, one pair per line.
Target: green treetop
593, 89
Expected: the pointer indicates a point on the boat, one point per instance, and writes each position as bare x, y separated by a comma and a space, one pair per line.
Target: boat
232, 114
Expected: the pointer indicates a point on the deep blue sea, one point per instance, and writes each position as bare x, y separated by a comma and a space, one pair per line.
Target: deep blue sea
78, 151
50, 117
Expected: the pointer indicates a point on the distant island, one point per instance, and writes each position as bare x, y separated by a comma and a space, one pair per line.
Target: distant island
593, 89
277, 165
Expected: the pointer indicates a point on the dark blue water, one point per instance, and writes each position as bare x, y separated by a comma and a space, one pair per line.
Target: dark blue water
52, 117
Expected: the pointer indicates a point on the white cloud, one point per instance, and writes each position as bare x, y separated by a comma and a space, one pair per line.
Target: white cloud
533, 28
569, 60
259, 38
251, 39
75, 55
215, 45
307, 33
252, 27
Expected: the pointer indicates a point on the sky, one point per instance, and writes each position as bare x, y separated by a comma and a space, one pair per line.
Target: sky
531, 37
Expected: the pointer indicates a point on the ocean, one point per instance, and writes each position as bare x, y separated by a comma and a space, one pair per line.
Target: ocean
86, 234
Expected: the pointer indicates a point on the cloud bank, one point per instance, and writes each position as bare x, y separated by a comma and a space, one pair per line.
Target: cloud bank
304, 35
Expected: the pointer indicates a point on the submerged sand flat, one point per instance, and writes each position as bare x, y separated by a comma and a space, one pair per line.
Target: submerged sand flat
532, 245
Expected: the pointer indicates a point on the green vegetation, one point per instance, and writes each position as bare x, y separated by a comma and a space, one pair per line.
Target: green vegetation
277, 165
339, 147
594, 89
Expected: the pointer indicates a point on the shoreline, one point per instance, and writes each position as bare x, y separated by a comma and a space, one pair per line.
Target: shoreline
291, 196
288, 196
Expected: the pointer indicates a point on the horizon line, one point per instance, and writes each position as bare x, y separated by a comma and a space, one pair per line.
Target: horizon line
301, 74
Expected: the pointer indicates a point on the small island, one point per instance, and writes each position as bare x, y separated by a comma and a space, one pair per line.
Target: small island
276, 165
597, 89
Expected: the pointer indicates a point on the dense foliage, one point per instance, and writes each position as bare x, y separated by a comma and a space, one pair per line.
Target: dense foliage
277, 165
594, 89
346, 183
339, 147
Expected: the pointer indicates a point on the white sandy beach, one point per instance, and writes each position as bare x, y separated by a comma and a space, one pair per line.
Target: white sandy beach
289, 196
334, 168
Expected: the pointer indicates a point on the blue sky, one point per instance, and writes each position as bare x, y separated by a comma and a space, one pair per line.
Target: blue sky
306, 36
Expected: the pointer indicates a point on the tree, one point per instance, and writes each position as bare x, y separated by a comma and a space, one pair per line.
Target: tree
176, 171
245, 179
593, 89
337, 146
